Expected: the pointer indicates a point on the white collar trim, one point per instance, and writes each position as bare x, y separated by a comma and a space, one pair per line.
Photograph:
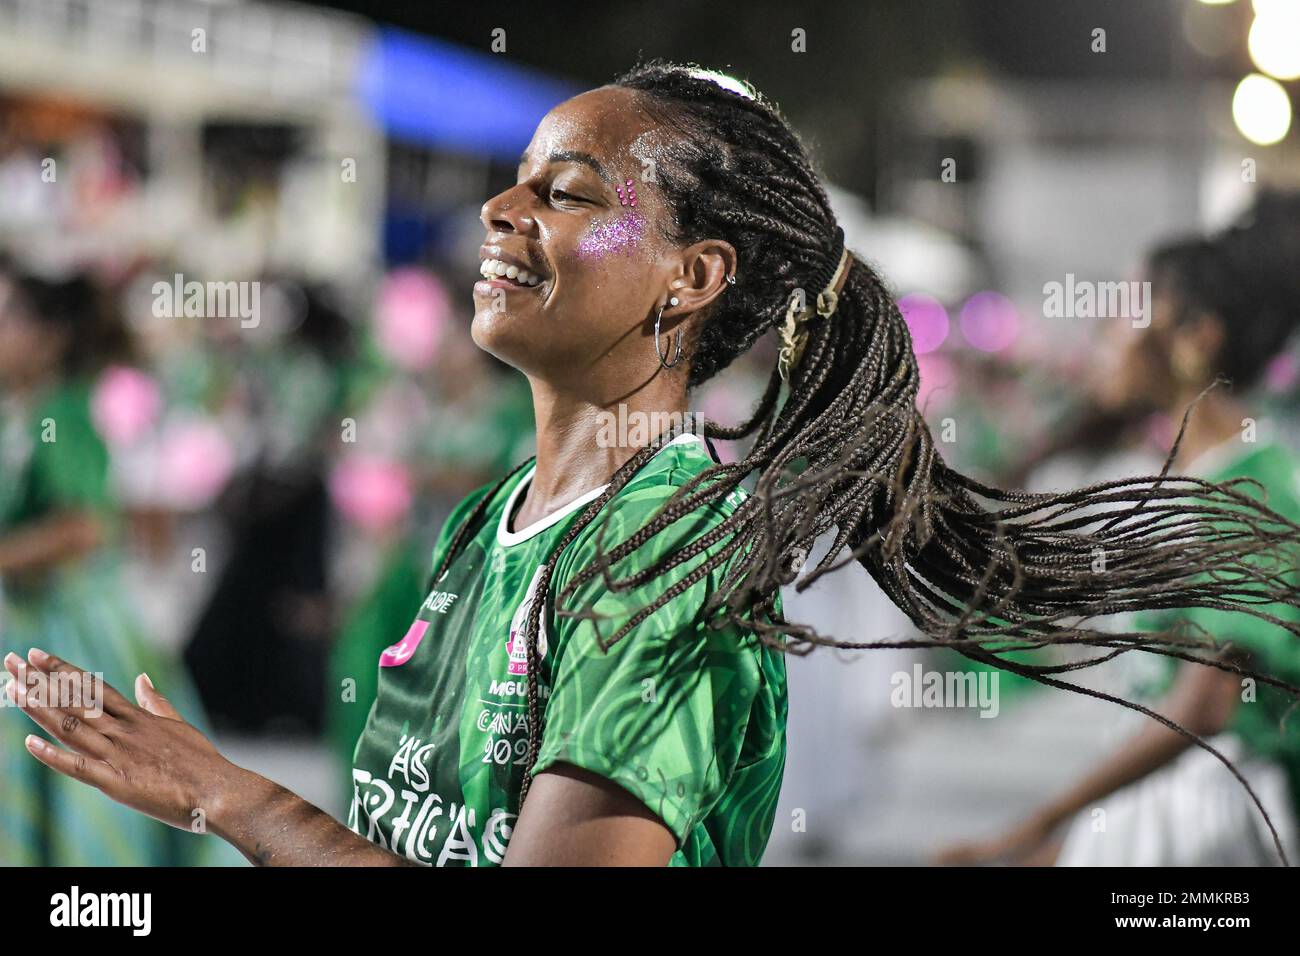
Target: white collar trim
506, 537
1218, 457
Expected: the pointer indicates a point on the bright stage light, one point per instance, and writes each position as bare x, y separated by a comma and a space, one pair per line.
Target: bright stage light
1274, 40
1261, 109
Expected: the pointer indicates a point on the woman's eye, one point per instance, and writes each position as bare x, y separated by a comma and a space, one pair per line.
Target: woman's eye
567, 197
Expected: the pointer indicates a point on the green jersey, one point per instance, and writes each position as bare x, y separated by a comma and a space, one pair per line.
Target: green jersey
687, 717
1261, 720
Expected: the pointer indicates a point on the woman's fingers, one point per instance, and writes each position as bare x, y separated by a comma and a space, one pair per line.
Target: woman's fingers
148, 698
164, 768
66, 715
71, 676
74, 765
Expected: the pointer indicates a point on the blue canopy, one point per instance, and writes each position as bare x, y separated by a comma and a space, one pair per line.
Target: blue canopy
436, 93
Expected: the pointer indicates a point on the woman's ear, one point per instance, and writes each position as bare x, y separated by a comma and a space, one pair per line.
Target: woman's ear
1195, 347
1211, 335
702, 276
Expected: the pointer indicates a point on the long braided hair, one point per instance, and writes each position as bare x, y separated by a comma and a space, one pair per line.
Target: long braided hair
845, 452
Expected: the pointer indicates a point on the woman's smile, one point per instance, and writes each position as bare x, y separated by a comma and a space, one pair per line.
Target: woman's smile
504, 270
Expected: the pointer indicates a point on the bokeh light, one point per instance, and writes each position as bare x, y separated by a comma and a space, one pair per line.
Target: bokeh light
125, 405
1274, 40
1261, 109
372, 492
926, 319
1282, 374
195, 461
1272, 8
409, 319
989, 321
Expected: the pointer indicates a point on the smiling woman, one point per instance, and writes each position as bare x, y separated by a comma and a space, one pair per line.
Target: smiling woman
598, 675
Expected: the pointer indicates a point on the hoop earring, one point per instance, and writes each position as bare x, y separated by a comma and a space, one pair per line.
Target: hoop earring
677, 356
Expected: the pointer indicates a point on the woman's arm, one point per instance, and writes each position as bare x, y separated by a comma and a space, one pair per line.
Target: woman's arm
147, 758
273, 826
50, 541
151, 760
1201, 700
574, 817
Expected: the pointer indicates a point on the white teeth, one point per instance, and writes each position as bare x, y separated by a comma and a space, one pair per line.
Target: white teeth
494, 268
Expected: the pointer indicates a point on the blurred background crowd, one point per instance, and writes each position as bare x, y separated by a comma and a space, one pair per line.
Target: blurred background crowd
246, 501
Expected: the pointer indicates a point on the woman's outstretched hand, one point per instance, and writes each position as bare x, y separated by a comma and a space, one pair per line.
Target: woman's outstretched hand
145, 757
148, 758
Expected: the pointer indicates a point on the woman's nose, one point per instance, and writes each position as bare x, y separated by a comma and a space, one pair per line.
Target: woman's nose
507, 212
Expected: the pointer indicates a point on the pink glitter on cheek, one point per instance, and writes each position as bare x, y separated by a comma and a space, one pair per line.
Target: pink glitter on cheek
604, 239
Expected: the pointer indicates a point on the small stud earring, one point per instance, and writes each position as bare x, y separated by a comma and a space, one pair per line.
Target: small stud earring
673, 300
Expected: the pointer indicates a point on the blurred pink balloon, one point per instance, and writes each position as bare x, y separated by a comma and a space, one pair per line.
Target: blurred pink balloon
195, 461
926, 319
125, 405
409, 317
989, 321
373, 493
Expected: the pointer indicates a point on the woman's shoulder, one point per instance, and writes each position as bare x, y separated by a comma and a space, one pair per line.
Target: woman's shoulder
461, 511
1275, 467
663, 480
657, 492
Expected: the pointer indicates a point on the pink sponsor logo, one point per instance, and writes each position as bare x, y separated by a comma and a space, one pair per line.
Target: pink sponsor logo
518, 651
401, 652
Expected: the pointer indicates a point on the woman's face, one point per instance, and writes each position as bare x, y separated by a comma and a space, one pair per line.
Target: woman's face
602, 263
1134, 369
29, 350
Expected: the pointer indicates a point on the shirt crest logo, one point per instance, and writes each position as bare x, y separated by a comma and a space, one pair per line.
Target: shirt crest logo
516, 646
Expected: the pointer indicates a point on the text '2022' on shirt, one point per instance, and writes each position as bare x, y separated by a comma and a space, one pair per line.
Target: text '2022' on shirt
687, 717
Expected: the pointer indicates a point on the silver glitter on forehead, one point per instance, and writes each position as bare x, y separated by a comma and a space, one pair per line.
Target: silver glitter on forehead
565, 126
622, 234
648, 145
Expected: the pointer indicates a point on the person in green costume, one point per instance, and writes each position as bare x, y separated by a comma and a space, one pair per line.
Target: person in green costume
1225, 307
596, 674
59, 570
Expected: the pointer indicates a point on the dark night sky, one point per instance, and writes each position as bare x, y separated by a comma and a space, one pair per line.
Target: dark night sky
857, 51
595, 40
